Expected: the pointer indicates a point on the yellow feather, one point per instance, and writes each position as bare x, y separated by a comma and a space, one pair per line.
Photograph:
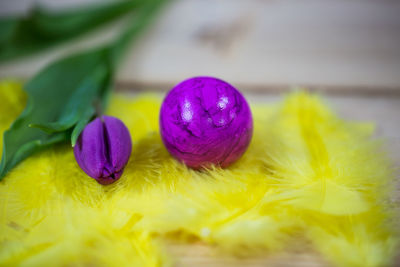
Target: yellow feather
306, 173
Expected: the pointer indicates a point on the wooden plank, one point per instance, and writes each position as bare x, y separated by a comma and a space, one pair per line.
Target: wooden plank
258, 44
199, 255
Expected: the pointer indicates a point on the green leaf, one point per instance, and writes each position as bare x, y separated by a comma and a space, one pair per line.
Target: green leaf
61, 98
76, 102
80, 125
58, 98
42, 28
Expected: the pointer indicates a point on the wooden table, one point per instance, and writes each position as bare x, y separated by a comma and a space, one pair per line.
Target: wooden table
346, 50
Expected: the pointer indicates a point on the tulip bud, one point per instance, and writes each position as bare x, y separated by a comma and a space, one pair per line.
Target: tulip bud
103, 149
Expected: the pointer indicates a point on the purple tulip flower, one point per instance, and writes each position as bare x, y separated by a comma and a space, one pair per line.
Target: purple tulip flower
103, 149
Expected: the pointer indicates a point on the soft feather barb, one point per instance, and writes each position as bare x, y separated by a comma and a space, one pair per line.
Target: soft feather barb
307, 175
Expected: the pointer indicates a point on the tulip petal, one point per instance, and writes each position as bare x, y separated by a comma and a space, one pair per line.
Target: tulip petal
90, 150
109, 179
119, 142
103, 149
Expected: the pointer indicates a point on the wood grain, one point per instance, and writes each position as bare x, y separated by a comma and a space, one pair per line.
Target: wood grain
257, 44
199, 254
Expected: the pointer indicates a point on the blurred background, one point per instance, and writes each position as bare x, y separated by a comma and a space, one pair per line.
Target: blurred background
258, 45
347, 50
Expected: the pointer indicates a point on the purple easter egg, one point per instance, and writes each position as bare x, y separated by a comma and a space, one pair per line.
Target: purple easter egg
205, 121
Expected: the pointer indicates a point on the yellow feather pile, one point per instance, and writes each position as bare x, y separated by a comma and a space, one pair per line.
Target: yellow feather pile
306, 175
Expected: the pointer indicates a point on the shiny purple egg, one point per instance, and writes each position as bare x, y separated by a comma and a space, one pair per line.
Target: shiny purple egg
205, 121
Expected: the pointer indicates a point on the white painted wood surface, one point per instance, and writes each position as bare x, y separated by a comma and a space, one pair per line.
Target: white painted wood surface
268, 44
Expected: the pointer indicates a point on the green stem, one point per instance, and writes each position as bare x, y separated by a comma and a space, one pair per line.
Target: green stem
139, 20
